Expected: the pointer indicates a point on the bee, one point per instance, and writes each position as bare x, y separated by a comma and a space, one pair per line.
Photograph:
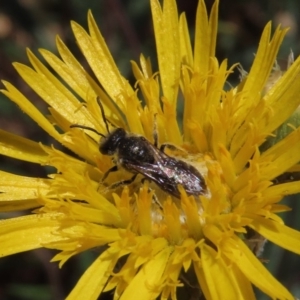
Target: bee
137, 155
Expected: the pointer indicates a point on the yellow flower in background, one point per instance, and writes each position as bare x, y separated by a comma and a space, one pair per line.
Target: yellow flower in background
155, 243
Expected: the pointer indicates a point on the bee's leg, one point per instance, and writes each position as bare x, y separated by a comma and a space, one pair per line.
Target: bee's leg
155, 134
165, 145
144, 179
155, 199
123, 182
154, 196
171, 147
113, 169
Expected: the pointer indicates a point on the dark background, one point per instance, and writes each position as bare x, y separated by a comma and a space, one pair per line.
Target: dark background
127, 28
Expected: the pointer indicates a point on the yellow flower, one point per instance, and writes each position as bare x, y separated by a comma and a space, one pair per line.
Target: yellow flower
155, 242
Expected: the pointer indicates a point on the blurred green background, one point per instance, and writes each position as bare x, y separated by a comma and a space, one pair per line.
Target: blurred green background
127, 28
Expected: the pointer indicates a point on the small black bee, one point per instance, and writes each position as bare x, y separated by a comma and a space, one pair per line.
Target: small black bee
137, 155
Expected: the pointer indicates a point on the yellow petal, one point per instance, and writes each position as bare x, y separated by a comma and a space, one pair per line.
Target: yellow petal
243, 282
53, 92
70, 71
219, 277
20, 192
186, 51
146, 284
277, 233
13, 94
284, 189
205, 37
283, 98
17, 205
20, 148
254, 270
166, 30
27, 233
94, 279
263, 63
202, 281
99, 58
283, 155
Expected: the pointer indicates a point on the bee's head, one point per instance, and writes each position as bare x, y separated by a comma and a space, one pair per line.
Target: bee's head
110, 143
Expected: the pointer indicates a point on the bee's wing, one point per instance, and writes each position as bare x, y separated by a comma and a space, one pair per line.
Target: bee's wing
155, 173
174, 172
168, 172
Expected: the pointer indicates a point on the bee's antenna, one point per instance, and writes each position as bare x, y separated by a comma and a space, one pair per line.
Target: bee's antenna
87, 128
103, 114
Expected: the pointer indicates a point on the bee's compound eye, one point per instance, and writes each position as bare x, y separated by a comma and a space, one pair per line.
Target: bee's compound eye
110, 143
